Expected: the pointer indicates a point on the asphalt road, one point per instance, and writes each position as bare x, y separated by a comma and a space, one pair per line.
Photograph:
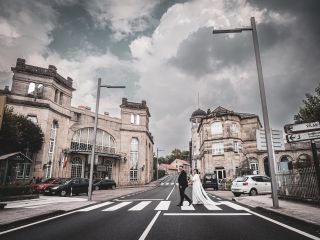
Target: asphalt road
154, 215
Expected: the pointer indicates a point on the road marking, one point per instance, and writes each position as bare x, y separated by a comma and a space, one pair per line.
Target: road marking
163, 205
116, 207
161, 184
207, 214
177, 184
167, 184
147, 230
170, 193
172, 183
31, 224
140, 206
94, 207
285, 226
185, 206
218, 198
140, 199
212, 207
233, 205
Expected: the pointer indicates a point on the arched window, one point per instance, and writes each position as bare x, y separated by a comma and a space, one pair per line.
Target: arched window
304, 161
76, 167
254, 166
216, 128
285, 164
134, 152
82, 141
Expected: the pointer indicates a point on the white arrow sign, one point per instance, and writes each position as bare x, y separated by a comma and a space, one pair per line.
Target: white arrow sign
303, 127
303, 136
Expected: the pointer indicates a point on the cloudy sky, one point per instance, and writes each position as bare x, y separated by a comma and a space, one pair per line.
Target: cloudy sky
165, 53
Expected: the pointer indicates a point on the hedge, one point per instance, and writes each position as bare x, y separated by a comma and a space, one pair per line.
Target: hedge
15, 190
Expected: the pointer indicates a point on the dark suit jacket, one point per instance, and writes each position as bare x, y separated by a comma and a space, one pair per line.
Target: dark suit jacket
182, 179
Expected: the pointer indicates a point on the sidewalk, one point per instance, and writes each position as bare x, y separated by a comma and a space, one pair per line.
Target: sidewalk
301, 211
19, 212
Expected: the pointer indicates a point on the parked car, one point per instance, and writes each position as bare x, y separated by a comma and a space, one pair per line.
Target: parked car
47, 183
252, 185
105, 184
73, 186
210, 181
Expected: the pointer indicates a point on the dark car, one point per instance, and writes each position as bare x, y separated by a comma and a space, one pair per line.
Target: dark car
105, 184
74, 186
210, 181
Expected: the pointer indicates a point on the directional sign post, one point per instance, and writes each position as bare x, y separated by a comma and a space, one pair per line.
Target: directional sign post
306, 136
304, 127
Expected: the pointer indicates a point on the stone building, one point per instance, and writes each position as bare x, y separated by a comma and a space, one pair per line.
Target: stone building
124, 146
225, 142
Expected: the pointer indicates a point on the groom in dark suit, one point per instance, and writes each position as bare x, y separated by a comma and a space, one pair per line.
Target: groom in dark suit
183, 184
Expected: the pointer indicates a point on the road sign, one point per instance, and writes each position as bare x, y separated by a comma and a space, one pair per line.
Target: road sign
303, 127
297, 137
277, 140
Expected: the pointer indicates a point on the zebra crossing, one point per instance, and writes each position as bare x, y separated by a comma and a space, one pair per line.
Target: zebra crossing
169, 184
135, 206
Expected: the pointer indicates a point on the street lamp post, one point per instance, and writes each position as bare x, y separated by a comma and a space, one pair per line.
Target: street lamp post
95, 134
263, 103
158, 150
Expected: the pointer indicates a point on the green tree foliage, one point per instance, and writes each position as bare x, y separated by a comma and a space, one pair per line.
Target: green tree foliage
19, 134
177, 154
310, 112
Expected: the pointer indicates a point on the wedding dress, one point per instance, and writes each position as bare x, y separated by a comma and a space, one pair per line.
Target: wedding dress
199, 195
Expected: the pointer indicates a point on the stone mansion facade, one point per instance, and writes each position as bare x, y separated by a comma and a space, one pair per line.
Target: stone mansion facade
225, 142
124, 146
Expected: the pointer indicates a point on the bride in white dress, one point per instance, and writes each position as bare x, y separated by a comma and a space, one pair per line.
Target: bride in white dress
199, 195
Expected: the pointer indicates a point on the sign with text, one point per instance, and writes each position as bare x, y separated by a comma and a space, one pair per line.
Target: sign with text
297, 137
2, 106
303, 127
277, 139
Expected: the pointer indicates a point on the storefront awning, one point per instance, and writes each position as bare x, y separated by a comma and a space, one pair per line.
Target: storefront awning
16, 156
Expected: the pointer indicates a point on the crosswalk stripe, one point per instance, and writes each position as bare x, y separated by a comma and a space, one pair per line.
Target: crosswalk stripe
140, 206
116, 207
163, 206
233, 205
167, 183
95, 207
212, 207
162, 184
172, 183
177, 184
186, 206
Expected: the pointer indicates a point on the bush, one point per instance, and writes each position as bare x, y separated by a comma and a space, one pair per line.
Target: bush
15, 190
161, 173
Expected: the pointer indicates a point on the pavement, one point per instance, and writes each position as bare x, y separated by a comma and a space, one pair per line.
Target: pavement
301, 211
18, 212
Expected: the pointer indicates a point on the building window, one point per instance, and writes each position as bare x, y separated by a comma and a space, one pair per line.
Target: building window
76, 167
254, 166
109, 170
52, 142
31, 88
134, 153
216, 128
61, 98
285, 164
133, 175
236, 146
137, 119
132, 118
32, 118
217, 148
23, 170
235, 128
56, 93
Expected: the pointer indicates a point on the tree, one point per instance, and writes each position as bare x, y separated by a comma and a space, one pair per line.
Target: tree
18, 134
177, 154
311, 110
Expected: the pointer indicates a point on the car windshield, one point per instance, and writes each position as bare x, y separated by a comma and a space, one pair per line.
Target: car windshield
64, 181
241, 179
210, 176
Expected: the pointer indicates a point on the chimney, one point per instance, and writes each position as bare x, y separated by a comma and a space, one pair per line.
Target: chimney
52, 68
21, 63
124, 101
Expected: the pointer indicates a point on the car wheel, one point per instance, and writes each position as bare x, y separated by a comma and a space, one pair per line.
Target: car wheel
63, 193
113, 187
97, 188
253, 192
236, 194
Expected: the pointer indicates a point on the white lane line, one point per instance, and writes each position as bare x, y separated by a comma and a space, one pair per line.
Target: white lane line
163, 206
147, 230
285, 226
207, 214
94, 207
185, 206
170, 193
177, 184
212, 207
218, 198
233, 205
140, 206
116, 207
167, 184
161, 184
172, 183
139, 199
31, 224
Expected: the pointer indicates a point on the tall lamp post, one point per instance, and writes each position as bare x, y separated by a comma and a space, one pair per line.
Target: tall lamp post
158, 150
263, 103
95, 134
